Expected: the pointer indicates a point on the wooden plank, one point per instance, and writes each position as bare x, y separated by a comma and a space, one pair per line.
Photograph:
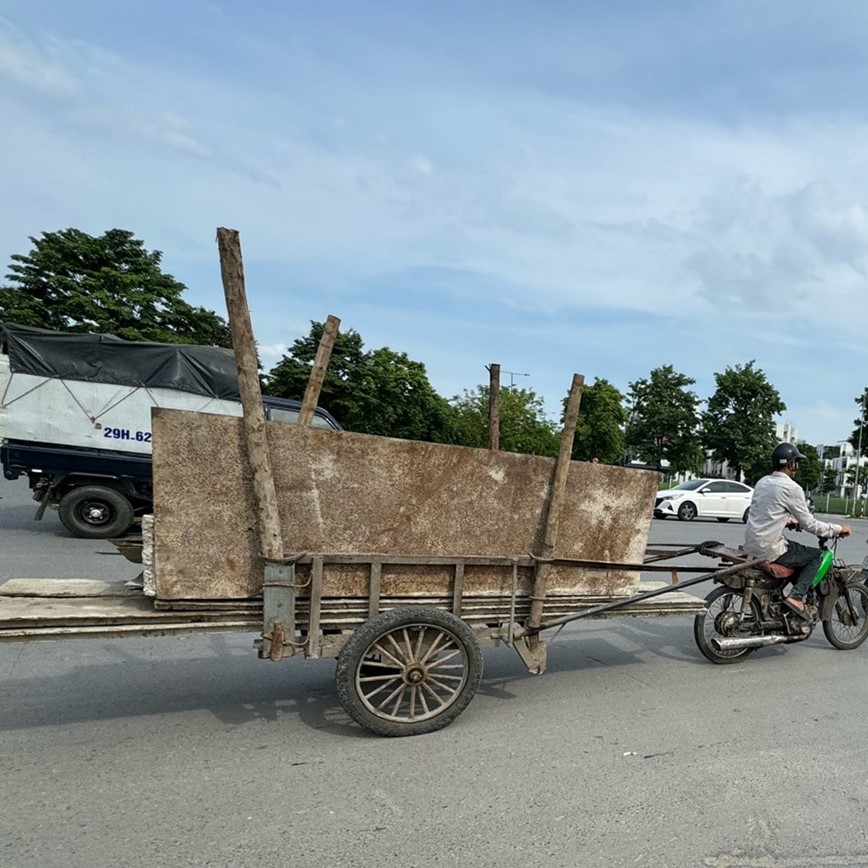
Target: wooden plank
318, 372
458, 588
113, 631
494, 407
420, 499
374, 589
59, 611
37, 617
315, 604
65, 588
244, 345
556, 503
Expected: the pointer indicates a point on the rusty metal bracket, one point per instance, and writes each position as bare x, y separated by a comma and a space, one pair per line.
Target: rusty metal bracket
278, 609
536, 658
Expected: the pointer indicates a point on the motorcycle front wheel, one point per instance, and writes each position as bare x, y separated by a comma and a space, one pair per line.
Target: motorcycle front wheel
847, 626
722, 619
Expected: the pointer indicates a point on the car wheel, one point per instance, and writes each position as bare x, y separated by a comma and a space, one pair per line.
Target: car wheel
687, 511
744, 517
95, 512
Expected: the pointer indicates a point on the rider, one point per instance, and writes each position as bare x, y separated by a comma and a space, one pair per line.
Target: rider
779, 502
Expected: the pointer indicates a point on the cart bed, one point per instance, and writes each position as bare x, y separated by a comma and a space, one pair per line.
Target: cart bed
67, 608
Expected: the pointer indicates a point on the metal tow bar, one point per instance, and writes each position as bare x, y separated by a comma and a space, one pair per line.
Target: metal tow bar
536, 662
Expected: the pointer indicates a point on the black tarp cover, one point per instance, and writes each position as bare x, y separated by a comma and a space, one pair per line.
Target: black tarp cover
108, 359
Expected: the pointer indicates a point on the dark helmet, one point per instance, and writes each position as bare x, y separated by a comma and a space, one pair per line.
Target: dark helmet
784, 455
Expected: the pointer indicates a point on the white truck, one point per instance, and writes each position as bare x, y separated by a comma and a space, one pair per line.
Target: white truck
75, 417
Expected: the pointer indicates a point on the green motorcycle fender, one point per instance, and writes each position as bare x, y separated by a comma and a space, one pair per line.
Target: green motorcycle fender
825, 563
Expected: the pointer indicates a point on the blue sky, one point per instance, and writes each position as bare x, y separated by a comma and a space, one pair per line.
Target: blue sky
557, 187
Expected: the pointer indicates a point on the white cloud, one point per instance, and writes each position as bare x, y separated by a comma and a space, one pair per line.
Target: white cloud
422, 164
31, 70
272, 352
546, 206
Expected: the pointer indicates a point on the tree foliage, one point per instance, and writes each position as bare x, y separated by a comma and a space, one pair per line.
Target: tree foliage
860, 423
737, 425
524, 426
376, 392
600, 428
829, 481
810, 472
72, 281
664, 419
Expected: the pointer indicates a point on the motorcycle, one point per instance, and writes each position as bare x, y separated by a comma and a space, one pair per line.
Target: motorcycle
748, 612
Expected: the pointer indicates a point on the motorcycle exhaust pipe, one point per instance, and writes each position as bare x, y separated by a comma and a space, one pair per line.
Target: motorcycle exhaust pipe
742, 642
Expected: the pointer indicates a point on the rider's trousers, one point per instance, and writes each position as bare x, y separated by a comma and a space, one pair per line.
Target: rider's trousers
804, 557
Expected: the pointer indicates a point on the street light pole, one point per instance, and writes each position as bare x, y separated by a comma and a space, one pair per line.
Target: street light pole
859, 447
513, 375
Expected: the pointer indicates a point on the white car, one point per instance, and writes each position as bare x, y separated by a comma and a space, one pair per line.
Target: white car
722, 499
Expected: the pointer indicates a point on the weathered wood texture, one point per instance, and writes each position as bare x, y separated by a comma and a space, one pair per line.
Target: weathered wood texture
341, 492
244, 345
43, 609
318, 372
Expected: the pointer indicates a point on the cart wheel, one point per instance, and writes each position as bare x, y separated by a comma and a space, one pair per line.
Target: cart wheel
409, 671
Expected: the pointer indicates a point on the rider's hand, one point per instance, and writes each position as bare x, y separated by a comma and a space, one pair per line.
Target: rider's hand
845, 530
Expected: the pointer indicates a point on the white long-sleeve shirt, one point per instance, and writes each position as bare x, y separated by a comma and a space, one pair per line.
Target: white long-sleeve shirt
776, 500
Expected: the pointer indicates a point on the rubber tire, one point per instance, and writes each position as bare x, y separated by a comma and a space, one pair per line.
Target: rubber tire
120, 512
687, 511
704, 645
744, 517
722, 519
829, 631
353, 654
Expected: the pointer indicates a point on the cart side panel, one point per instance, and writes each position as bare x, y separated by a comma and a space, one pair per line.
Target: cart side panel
355, 493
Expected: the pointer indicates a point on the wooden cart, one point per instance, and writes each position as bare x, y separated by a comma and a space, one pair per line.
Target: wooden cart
407, 626
405, 665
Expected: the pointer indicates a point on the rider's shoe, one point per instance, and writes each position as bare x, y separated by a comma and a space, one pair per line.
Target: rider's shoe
798, 607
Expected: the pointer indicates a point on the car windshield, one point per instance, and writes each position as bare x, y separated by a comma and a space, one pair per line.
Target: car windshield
690, 485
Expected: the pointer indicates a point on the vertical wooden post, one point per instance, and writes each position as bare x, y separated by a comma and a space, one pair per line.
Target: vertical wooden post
553, 517
317, 374
244, 345
494, 407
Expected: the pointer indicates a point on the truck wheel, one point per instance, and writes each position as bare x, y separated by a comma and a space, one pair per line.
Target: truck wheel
95, 512
409, 671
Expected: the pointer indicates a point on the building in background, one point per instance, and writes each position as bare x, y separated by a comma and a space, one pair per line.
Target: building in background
785, 432
843, 460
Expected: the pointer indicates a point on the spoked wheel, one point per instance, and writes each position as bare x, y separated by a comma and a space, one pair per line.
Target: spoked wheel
847, 627
409, 671
723, 619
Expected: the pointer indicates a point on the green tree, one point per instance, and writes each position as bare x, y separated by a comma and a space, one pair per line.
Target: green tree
72, 281
664, 419
600, 428
737, 425
810, 472
377, 392
830, 480
860, 423
524, 426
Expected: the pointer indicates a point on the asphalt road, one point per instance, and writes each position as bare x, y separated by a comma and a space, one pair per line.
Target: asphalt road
45, 549
630, 750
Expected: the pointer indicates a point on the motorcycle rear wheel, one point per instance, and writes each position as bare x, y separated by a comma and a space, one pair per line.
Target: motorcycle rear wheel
721, 603
847, 628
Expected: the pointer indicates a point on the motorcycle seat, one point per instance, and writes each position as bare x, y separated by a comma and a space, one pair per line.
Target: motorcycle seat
779, 571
